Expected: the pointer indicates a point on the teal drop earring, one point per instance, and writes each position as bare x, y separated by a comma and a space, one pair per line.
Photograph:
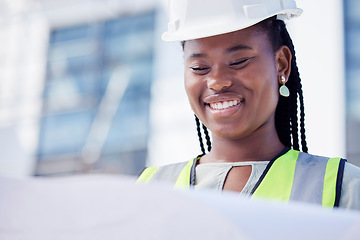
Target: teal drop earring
283, 90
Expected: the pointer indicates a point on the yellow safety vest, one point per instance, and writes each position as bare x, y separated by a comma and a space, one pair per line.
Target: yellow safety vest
294, 176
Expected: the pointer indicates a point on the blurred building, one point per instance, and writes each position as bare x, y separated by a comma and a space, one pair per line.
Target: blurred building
96, 97
352, 78
77, 92
88, 86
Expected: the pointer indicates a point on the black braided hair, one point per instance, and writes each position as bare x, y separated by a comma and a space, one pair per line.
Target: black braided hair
207, 137
199, 134
286, 114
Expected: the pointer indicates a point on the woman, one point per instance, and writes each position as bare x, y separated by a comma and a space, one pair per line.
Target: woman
243, 84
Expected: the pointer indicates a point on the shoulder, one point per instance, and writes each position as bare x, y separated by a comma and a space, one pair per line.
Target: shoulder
350, 184
314, 156
302, 156
350, 190
165, 172
167, 166
352, 170
351, 175
304, 159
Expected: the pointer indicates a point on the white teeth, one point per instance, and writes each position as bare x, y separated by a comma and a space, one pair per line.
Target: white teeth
224, 105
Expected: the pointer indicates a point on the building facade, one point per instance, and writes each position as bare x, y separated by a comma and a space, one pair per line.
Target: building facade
352, 78
83, 86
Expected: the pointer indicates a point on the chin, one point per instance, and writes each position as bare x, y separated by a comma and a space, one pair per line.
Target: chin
229, 133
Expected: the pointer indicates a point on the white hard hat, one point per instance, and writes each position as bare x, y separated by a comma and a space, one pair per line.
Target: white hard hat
193, 19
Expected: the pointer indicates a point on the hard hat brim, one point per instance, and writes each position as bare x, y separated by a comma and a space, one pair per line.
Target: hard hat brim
210, 30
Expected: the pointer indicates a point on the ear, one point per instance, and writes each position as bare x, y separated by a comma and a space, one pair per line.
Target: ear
283, 62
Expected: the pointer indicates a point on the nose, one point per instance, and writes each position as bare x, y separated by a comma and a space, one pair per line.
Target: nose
218, 80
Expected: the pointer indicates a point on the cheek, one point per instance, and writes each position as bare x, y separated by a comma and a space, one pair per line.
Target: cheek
269, 79
192, 88
270, 96
265, 88
193, 84
188, 85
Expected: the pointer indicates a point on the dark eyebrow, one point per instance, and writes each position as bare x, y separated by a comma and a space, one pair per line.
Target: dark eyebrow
237, 48
197, 55
227, 51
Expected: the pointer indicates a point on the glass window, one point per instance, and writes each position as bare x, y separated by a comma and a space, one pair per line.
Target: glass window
353, 47
352, 10
352, 57
353, 96
85, 101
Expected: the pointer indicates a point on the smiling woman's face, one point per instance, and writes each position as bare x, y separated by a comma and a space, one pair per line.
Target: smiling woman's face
232, 81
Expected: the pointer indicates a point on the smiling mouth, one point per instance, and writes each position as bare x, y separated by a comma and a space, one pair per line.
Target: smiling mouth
224, 105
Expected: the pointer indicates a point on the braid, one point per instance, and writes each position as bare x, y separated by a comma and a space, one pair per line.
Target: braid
207, 137
286, 117
282, 114
295, 83
199, 134
302, 112
294, 122
302, 120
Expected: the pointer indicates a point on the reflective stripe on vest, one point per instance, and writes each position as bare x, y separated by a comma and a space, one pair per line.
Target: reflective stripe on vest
180, 173
294, 176
183, 181
272, 183
330, 195
298, 176
147, 174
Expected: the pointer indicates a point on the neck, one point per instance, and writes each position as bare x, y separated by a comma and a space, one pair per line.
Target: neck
262, 145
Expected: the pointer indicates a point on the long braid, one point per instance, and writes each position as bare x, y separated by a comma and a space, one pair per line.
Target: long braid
207, 137
302, 123
297, 91
286, 115
199, 134
282, 123
293, 117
